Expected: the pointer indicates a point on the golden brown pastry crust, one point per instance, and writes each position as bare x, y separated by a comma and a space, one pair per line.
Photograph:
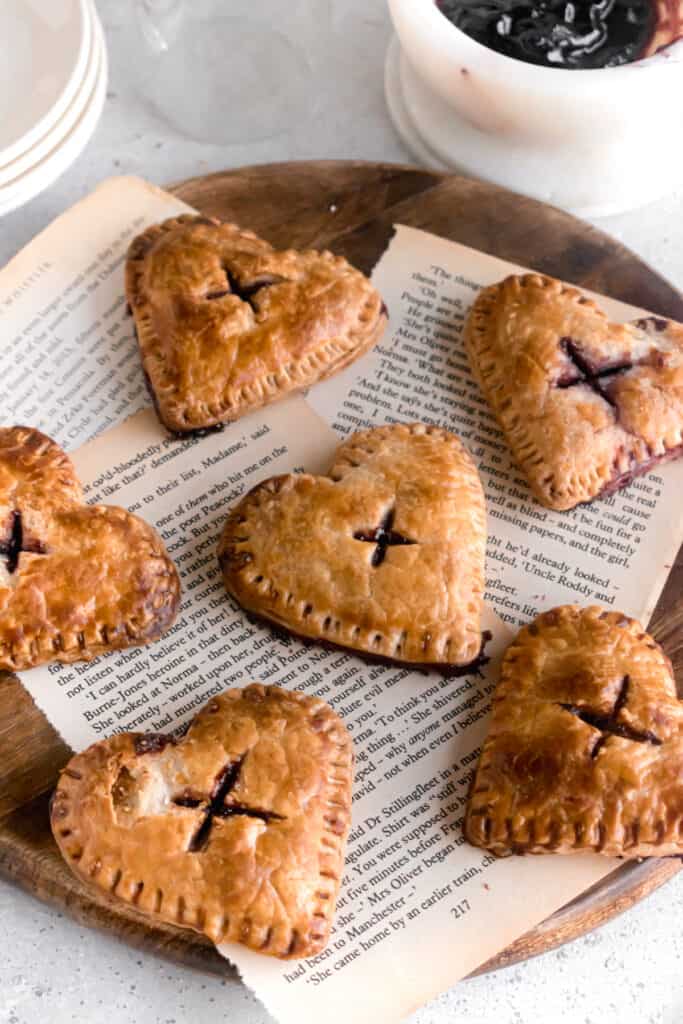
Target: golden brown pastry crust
226, 323
585, 404
299, 550
75, 580
585, 746
127, 815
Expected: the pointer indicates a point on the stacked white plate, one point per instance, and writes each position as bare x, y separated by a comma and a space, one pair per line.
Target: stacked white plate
53, 82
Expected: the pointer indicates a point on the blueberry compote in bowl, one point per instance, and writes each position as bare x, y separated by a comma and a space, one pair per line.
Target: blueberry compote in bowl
576, 103
560, 33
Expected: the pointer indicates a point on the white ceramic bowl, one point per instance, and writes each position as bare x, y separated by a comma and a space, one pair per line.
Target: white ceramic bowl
45, 48
45, 171
595, 141
9, 170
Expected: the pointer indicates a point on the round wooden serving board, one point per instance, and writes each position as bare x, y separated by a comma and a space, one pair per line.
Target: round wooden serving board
349, 208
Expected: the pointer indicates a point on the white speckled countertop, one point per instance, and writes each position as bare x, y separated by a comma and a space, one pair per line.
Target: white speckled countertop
54, 972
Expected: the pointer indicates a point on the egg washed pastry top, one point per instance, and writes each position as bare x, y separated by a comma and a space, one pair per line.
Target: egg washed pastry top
585, 746
585, 404
384, 555
75, 580
238, 830
226, 323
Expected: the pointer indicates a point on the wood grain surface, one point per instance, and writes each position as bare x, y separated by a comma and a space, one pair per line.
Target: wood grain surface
349, 207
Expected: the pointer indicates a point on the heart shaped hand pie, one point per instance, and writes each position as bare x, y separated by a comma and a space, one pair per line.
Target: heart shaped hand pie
227, 324
238, 830
585, 404
585, 747
384, 556
75, 580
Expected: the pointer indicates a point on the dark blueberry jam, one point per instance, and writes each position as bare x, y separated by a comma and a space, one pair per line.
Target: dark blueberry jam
558, 33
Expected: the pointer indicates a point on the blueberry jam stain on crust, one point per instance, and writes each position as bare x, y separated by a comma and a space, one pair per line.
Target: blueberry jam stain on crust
151, 743
583, 372
639, 469
383, 536
609, 725
247, 292
12, 549
558, 33
652, 322
195, 433
600, 379
217, 806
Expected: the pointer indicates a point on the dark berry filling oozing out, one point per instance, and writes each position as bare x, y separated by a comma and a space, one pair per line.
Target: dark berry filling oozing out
558, 33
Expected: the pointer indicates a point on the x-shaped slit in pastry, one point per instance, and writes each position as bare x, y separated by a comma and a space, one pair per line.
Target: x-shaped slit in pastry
215, 806
608, 724
245, 292
16, 544
587, 374
599, 380
383, 536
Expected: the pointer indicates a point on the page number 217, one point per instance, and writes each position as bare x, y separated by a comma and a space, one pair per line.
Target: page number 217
460, 909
